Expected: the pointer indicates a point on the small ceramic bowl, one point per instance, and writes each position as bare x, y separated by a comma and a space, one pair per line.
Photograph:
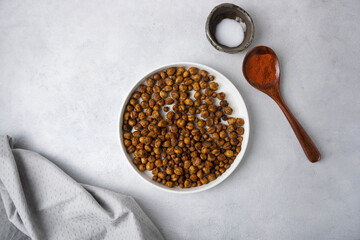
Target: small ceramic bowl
228, 10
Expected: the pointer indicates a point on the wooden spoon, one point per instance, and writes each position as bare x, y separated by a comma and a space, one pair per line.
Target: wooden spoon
272, 89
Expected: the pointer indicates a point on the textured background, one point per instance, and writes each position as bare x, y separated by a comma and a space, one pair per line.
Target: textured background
66, 66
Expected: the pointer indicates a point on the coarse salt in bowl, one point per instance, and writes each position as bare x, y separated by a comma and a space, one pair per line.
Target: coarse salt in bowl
232, 13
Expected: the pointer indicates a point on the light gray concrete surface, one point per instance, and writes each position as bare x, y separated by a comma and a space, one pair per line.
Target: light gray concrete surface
65, 67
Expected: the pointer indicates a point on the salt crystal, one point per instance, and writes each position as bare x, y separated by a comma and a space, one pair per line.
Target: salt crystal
230, 32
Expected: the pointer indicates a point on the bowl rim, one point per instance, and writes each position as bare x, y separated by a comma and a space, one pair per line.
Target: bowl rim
212, 184
222, 47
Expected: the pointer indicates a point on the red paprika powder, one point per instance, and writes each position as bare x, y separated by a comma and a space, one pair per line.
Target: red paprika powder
261, 68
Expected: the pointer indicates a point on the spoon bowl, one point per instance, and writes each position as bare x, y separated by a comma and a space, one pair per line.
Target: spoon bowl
272, 89
259, 50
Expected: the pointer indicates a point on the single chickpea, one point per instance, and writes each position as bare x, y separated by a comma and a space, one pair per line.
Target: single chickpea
171, 71
142, 167
240, 121
221, 96
188, 102
211, 177
228, 110
174, 177
187, 164
148, 112
188, 81
136, 95
149, 166
150, 82
127, 135
224, 103
203, 73
180, 71
179, 79
145, 96
208, 92
163, 94
229, 153
196, 77
127, 143
187, 183
158, 163
195, 86
205, 114
203, 84
193, 70
156, 76
212, 108
204, 180
240, 130
162, 175
132, 122
209, 100
163, 75
193, 178
142, 88
231, 121
183, 88
169, 171
180, 123
213, 86
129, 108
169, 82
178, 171
215, 136
168, 88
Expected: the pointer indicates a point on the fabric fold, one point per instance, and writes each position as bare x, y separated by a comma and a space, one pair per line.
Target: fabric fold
45, 203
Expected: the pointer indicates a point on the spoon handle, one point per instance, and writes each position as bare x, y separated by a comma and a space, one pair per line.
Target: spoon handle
307, 144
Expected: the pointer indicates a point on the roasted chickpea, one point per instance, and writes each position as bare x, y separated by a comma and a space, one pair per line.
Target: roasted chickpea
229, 153
240, 131
213, 86
203, 84
204, 180
228, 110
240, 121
171, 71
183, 88
180, 71
193, 70
196, 77
169, 184
136, 95
203, 73
150, 82
209, 100
188, 102
178, 171
187, 183
142, 167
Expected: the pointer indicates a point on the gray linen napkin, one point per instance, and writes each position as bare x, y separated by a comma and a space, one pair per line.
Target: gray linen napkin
45, 203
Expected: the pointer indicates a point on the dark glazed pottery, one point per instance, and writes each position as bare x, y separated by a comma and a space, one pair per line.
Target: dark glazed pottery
228, 10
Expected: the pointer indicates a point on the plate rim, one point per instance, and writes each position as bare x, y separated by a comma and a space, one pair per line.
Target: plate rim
210, 185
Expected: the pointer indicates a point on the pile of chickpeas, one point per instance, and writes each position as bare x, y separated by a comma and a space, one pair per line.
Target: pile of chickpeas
174, 128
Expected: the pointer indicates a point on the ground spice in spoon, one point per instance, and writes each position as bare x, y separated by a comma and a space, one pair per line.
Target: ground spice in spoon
261, 68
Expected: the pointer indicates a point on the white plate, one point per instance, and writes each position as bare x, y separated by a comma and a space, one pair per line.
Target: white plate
236, 102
